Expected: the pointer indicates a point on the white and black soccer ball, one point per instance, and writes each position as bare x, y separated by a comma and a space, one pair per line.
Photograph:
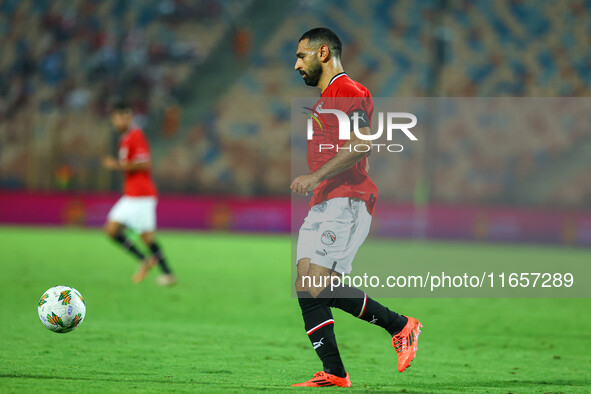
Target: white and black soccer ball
61, 309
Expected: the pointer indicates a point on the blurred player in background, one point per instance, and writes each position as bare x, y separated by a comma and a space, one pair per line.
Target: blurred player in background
340, 215
136, 209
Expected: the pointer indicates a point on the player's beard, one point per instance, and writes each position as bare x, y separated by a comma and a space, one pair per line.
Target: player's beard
312, 76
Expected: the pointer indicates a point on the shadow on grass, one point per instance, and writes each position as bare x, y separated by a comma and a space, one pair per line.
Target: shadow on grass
574, 384
214, 385
579, 385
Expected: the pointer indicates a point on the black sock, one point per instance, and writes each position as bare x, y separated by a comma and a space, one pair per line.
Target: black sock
127, 244
156, 252
319, 326
357, 303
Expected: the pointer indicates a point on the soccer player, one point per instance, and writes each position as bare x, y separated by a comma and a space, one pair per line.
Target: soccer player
338, 222
137, 208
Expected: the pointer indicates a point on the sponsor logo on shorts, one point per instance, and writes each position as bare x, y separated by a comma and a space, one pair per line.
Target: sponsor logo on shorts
321, 252
328, 237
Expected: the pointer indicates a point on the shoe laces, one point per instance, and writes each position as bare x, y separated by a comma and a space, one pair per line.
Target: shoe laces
402, 341
320, 374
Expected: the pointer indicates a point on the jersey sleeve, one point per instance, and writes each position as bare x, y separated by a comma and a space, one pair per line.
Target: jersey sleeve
361, 115
360, 106
139, 151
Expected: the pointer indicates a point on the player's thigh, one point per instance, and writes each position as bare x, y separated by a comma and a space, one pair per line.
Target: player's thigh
341, 238
306, 237
305, 244
112, 228
121, 212
344, 255
318, 279
306, 268
146, 216
312, 278
325, 235
141, 216
303, 265
360, 228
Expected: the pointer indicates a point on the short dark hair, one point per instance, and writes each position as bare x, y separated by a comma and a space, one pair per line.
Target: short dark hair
121, 106
325, 36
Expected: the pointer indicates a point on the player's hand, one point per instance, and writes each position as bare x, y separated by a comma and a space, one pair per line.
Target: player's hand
304, 184
110, 163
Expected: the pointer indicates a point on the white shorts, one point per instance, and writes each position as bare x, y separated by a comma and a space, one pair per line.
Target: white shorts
332, 233
136, 213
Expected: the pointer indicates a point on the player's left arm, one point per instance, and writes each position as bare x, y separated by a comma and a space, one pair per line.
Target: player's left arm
346, 157
135, 165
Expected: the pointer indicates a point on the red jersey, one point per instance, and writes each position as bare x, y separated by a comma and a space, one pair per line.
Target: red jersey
348, 96
134, 148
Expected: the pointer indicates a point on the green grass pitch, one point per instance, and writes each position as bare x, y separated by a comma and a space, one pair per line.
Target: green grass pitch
232, 326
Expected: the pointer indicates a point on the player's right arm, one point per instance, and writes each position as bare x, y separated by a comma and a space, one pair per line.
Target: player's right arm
132, 157
110, 163
346, 157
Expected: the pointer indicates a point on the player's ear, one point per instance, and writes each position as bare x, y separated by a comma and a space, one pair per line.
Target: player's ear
323, 53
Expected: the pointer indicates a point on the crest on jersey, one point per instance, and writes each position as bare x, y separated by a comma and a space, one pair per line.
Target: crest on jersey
328, 237
313, 115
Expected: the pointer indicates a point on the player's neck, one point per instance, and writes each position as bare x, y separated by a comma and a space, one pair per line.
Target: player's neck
328, 73
124, 130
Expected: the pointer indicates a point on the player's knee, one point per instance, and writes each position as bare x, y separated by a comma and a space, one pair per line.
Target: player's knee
313, 284
148, 239
298, 284
315, 291
111, 230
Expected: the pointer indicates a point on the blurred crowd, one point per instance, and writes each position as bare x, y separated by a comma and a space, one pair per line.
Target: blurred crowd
63, 60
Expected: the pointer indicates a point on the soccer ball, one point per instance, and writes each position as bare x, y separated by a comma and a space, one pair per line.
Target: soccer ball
61, 309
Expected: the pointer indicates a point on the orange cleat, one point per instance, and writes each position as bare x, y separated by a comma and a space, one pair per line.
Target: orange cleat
323, 379
145, 268
405, 343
